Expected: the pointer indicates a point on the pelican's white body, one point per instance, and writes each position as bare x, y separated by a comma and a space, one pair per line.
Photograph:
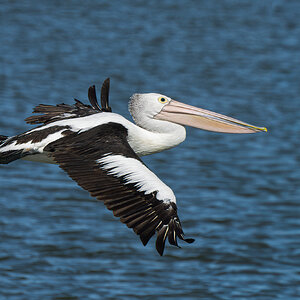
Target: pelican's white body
147, 137
142, 141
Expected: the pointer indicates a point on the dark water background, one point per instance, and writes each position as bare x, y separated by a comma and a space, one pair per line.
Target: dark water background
238, 195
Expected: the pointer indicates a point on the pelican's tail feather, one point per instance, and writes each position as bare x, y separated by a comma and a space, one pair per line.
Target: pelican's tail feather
8, 155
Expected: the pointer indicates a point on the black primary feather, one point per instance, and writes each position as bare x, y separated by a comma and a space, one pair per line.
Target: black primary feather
105, 95
52, 113
93, 98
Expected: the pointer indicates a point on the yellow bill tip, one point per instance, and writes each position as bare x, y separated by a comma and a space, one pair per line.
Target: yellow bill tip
259, 128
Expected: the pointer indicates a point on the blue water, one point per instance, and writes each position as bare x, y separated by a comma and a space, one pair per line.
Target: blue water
238, 195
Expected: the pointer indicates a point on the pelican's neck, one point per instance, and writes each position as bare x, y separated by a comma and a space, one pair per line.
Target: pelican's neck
162, 136
151, 135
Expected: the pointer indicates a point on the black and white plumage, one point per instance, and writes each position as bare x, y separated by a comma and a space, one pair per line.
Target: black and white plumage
101, 151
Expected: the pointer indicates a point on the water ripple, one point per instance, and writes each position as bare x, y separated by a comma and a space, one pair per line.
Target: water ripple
237, 195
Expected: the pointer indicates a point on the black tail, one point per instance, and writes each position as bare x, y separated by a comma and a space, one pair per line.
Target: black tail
11, 155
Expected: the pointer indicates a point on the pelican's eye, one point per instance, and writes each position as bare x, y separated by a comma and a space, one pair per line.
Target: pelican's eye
162, 100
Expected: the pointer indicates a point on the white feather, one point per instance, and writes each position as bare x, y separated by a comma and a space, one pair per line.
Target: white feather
138, 174
38, 146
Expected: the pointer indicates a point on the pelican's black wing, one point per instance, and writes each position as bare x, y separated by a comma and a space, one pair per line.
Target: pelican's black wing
104, 97
102, 162
52, 113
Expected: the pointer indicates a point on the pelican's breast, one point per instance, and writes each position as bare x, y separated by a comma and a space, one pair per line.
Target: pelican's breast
145, 142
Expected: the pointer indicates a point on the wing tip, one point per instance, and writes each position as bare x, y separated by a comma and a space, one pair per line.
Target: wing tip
170, 231
104, 97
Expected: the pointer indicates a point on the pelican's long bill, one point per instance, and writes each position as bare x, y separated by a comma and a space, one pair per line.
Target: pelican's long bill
184, 114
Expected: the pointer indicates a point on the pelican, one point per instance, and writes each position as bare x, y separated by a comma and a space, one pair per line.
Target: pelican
101, 151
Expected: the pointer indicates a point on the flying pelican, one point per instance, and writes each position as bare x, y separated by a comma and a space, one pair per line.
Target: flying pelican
101, 151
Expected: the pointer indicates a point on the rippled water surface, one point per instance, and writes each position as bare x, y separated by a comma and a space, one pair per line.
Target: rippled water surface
238, 195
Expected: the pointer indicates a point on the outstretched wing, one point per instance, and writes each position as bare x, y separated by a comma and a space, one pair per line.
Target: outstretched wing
102, 162
52, 113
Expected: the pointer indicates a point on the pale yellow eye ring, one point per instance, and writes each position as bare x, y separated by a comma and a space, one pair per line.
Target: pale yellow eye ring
163, 100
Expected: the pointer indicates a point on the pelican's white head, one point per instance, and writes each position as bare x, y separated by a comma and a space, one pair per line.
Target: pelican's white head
143, 109
156, 112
